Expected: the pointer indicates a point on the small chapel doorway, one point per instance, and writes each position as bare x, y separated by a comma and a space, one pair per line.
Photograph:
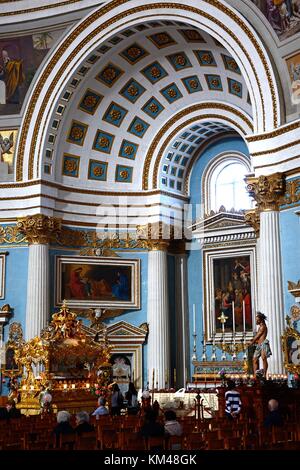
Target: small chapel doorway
122, 370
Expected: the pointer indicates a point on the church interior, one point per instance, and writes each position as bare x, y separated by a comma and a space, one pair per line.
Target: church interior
150, 224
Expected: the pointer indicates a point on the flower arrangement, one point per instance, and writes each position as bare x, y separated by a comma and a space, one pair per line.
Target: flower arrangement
99, 390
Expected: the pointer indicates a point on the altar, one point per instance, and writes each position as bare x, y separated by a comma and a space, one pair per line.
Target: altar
63, 369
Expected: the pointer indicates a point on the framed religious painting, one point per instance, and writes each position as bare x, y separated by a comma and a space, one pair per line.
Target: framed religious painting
230, 292
98, 282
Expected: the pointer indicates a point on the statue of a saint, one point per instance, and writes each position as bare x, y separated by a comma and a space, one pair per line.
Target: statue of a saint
262, 349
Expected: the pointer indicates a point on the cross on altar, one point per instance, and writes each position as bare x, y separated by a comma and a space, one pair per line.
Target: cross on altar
223, 319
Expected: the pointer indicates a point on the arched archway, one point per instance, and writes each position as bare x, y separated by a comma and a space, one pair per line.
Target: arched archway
213, 16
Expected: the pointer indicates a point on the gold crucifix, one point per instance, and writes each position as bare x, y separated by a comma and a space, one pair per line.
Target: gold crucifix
223, 319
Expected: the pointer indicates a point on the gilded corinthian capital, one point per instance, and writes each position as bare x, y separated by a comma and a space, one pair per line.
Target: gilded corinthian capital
267, 191
39, 228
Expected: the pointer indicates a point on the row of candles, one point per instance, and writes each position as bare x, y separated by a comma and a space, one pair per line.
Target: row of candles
63, 386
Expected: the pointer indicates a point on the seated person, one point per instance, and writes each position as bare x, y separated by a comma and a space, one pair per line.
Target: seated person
172, 427
146, 401
274, 418
101, 410
151, 427
232, 401
10, 411
132, 401
63, 425
82, 423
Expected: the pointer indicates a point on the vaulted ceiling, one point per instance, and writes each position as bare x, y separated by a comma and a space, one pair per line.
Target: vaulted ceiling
123, 95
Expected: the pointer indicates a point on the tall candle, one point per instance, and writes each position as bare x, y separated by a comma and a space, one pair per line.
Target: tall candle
194, 318
174, 377
233, 319
152, 379
244, 317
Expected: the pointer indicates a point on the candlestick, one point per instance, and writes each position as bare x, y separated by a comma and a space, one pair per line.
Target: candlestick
204, 358
194, 357
213, 356
233, 319
194, 318
174, 377
152, 379
244, 317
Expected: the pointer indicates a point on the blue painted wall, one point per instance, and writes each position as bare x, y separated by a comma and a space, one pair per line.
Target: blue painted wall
15, 290
290, 252
16, 284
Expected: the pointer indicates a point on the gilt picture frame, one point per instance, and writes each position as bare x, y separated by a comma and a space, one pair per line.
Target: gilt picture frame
89, 282
230, 282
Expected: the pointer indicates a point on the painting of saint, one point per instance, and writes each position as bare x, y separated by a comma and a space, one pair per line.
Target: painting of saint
283, 16
103, 283
232, 289
20, 58
293, 65
8, 139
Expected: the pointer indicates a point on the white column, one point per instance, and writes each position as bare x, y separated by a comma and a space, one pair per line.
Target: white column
37, 307
182, 323
271, 292
158, 356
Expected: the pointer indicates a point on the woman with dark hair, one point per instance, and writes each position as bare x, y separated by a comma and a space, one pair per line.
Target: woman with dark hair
116, 400
132, 401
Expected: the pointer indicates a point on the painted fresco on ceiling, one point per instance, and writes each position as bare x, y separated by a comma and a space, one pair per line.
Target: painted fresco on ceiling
283, 15
8, 140
20, 58
293, 64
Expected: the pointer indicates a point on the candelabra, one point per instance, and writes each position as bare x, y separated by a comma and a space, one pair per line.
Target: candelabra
245, 349
223, 357
194, 357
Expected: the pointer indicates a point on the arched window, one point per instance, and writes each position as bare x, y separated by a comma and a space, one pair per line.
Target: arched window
224, 183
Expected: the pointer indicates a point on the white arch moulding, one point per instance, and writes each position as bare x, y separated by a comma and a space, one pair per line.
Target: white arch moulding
215, 17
